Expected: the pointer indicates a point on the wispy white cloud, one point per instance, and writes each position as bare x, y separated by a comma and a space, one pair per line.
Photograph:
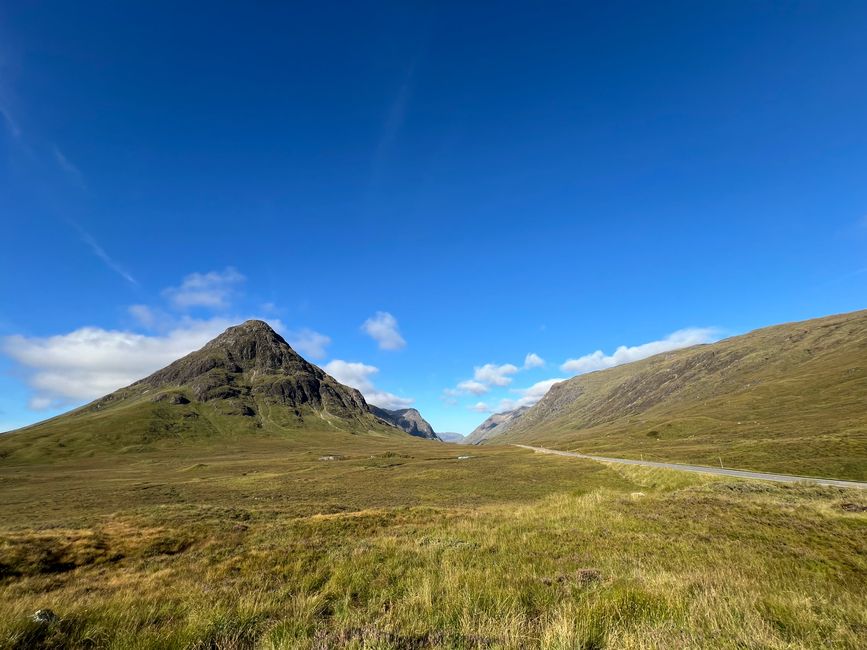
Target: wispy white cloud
40, 403
492, 374
480, 407
386, 400
9, 120
352, 373
395, 118
538, 390
9, 70
99, 251
91, 361
533, 360
68, 168
359, 375
382, 327
599, 360
484, 378
212, 290
308, 342
528, 396
144, 315
450, 396
473, 387
156, 319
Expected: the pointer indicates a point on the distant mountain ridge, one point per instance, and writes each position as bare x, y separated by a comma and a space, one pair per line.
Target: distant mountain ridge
409, 420
247, 380
496, 425
450, 436
788, 398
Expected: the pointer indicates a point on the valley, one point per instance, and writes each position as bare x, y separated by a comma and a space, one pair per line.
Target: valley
398, 544
786, 399
433, 326
242, 498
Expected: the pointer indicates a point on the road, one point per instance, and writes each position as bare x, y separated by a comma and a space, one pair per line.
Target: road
737, 473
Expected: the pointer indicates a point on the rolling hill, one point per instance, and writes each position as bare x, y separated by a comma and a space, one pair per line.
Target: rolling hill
247, 381
789, 398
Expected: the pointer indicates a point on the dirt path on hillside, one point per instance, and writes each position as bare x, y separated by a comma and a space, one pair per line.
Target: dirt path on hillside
737, 473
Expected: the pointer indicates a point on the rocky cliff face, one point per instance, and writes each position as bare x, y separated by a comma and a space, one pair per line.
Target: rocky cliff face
409, 420
494, 426
252, 366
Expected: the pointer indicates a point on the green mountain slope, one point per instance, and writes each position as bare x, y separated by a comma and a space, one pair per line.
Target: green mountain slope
790, 398
246, 382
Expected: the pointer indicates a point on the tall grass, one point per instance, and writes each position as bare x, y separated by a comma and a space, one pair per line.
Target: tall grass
630, 559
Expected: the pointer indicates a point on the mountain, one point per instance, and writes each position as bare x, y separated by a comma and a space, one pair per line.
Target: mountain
450, 436
409, 420
789, 398
494, 426
248, 380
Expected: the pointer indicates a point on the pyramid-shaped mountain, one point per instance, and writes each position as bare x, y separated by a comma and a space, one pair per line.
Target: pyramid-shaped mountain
253, 368
248, 380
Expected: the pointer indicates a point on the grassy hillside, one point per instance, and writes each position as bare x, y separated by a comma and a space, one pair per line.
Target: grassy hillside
397, 543
140, 425
789, 398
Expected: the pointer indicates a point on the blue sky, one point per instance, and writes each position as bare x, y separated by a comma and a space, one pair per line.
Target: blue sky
419, 196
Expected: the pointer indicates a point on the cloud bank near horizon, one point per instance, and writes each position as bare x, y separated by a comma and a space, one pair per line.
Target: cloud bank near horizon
491, 376
598, 360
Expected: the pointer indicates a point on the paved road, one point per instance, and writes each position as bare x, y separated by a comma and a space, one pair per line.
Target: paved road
739, 473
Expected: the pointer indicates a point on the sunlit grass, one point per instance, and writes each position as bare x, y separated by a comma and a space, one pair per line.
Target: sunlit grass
414, 549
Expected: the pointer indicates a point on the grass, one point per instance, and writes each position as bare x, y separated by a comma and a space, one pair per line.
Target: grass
260, 544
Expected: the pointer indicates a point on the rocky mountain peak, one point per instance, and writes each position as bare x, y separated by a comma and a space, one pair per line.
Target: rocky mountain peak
248, 328
251, 365
410, 420
254, 344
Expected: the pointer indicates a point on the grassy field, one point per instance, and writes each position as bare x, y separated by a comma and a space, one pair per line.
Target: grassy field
400, 544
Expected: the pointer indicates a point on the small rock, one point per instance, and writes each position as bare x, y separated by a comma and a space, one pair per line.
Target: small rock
44, 616
588, 576
583, 577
